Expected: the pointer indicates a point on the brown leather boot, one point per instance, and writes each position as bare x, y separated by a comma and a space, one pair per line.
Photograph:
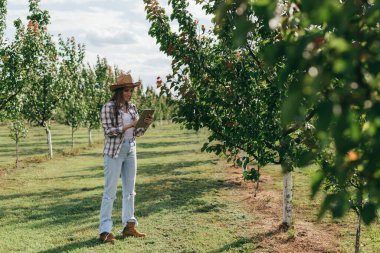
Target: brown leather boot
130, 230
107, 237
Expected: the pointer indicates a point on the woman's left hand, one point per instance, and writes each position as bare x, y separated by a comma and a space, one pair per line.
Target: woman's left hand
148, 120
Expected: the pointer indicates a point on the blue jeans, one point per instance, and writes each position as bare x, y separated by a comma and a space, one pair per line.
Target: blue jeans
125, 165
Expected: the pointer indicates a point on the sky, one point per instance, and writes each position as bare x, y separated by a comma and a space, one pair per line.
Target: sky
115, 29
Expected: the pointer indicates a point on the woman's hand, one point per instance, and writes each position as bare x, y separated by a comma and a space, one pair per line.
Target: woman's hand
130, 125
148, 120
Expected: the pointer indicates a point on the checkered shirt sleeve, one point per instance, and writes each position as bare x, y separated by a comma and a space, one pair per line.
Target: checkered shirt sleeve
113, 134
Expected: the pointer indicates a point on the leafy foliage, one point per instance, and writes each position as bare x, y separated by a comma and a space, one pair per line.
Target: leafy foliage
229, 89
226, 89
3, 13
70, 76
330, 50
96, 91
18, 130
41, 65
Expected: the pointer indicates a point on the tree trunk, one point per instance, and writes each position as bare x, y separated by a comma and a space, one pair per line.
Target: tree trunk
287, 213
358, 230
257, 183
50, 143
89, 136
242, 158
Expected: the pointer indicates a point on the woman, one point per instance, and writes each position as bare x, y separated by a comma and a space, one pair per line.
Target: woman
119, 117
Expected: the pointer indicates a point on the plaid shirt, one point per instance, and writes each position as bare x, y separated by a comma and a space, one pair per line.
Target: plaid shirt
113, 133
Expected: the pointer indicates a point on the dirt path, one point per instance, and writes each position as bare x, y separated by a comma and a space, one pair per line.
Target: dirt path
267, 207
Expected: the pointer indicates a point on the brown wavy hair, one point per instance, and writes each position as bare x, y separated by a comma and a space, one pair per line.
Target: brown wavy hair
118, 99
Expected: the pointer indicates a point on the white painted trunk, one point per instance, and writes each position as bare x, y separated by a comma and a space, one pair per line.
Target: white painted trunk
89, 136
242, 156
50, 143
287, 212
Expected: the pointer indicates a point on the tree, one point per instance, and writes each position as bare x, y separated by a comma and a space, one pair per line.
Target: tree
18, 131
3, 14
13, 75
9, 57
71, 75
97, 92
41, 65
331, 50
230, 92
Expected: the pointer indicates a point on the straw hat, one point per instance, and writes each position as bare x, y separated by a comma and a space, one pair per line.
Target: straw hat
124, 80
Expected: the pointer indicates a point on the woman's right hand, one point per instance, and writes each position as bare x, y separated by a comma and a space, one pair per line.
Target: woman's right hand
129, 125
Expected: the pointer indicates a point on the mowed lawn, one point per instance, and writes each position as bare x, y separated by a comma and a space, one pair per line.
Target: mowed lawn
183, 202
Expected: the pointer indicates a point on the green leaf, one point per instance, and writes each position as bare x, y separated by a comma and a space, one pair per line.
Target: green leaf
340, 45
368, 213
340, 65
324, 112
240, 34
316, 182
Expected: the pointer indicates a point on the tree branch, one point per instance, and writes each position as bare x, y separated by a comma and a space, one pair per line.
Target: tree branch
296, 126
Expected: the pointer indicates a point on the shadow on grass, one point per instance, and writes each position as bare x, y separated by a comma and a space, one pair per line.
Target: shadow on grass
256, 240
145, 154
58, 206
162, 154
181, 134
172, 168
175, 194
76, 177
234, 245
259, 237
74, 246
181, 142
11, 152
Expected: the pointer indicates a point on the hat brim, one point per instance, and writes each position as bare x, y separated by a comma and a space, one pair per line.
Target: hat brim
123, 85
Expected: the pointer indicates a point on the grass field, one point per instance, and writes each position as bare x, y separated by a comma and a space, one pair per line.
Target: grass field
184, 202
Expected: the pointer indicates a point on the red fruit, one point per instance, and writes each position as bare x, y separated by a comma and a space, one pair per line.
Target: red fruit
30, 24
35, 27
352, 155
319, 41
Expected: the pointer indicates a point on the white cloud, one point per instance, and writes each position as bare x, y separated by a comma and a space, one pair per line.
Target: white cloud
116, 38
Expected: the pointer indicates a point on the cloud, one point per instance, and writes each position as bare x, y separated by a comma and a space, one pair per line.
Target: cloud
118, 38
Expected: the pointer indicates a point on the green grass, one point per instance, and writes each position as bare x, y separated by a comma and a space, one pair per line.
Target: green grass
183, 201
53, 206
